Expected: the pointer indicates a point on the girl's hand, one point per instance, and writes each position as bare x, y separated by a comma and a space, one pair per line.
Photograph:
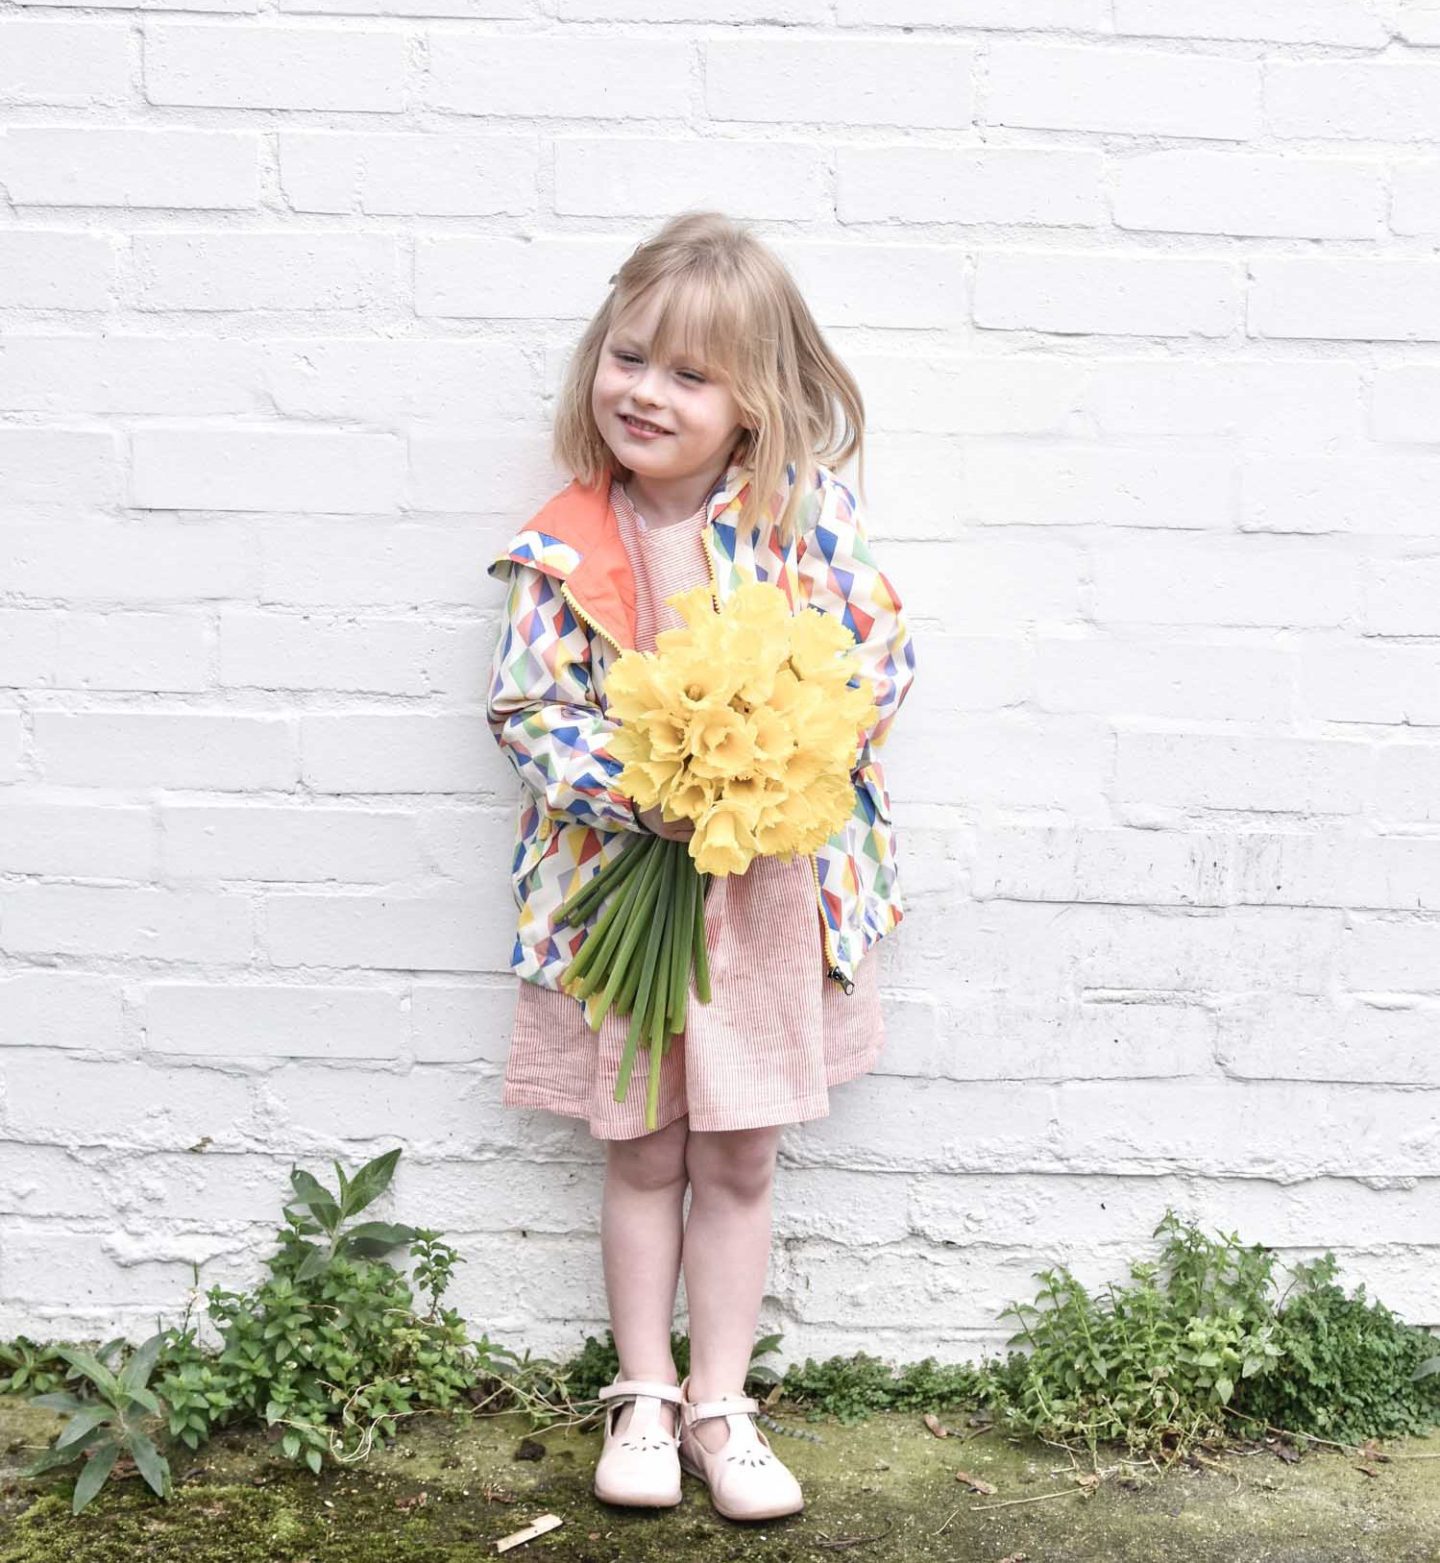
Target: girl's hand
672, 830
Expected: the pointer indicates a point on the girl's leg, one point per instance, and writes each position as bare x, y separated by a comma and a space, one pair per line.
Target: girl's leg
640, 1236
726, 1255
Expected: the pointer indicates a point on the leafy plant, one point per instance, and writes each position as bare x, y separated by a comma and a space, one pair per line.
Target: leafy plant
26, 1367
112, 1424
1351, 1370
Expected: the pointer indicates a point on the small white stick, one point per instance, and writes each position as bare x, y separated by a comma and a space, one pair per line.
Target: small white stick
536, 1528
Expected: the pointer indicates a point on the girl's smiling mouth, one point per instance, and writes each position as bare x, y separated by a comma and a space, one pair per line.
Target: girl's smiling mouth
639, 426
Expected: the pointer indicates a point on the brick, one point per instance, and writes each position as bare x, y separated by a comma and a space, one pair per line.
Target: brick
269, 469
81, 841
1214, 581
870, 81
1415, 199
66, 467
552, 75
60, 1009
429, 175
229, 752
465, 843
127, 374
1354, 23
1373, 495
1345, 300
1088, 294
460, 474
991, 584
967, 395
64, 64
43, 1180
995, 1037
54, 1099
1231, 193
1384, 956
612, 176
388, 933
513, 278
793, 12
1017, 484
1367, 682
1150, 93
133, 564
453, 1024
1205, 770
1298, 405
164, 925
257, 67
239, 1021
1170, 677
1418, 22
383, 656
1105, 865
1407, 783
1050, 187
268, 843
381, 752
256, 271
1353, 100
1004, 760
11, 740
1278, 1037
1028, 15
77, 650
193, 170
891, 285
1400, 597
42, 269
454, 384
308, 563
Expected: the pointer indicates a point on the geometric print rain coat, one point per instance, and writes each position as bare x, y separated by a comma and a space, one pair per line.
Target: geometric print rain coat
570, 611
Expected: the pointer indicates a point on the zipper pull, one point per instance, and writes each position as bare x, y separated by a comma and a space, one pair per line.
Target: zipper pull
839, 976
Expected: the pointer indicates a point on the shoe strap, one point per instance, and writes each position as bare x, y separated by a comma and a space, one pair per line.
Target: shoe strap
628, 1388
704, 1410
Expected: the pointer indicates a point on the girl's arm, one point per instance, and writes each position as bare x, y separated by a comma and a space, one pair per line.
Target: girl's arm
870, 606
543, 713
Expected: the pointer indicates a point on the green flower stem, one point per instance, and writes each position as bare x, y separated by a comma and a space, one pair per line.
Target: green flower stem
588, 967
659, 1000
682, 941
647, 981
637, 920
594, 890
591, 969
702, 955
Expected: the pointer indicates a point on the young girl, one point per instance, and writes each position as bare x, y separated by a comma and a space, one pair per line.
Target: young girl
698, 419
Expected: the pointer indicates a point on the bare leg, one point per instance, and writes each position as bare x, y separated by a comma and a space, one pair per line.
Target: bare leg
640, 1238
727, 1255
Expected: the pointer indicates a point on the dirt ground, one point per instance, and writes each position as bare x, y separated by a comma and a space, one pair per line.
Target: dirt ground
881, 1491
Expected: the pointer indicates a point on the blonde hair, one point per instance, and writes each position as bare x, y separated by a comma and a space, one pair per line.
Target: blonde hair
726, 296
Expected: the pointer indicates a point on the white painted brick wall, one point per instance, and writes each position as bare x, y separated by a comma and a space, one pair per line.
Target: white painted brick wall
1142, 298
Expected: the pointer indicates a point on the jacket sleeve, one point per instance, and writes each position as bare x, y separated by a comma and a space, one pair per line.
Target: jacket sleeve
838, 574
543, 712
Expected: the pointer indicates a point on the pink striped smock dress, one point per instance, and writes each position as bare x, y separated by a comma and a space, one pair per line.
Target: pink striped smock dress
776, 1034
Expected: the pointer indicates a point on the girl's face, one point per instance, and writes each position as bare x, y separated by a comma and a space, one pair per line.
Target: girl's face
699, 417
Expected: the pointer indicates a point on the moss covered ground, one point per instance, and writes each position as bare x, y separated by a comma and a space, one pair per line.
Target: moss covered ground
883, 1490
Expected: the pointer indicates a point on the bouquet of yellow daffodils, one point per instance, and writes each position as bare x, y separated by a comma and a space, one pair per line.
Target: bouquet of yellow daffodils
744, 721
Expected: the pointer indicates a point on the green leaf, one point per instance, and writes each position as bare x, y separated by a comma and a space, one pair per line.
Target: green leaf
316, 1261
372, 1180
92, 1478
57, 1456
99, 1375
317, 1199
151, 1464
290, 1444
82, 1422
312, 1459
136, 1372
145, 1399
58, 1400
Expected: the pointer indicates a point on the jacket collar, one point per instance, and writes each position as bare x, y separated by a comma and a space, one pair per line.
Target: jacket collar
602, 583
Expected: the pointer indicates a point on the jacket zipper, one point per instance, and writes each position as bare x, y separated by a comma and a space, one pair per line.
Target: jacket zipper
585, 618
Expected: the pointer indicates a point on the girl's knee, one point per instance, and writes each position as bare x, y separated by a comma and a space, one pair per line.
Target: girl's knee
738, 1162
651, 1161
